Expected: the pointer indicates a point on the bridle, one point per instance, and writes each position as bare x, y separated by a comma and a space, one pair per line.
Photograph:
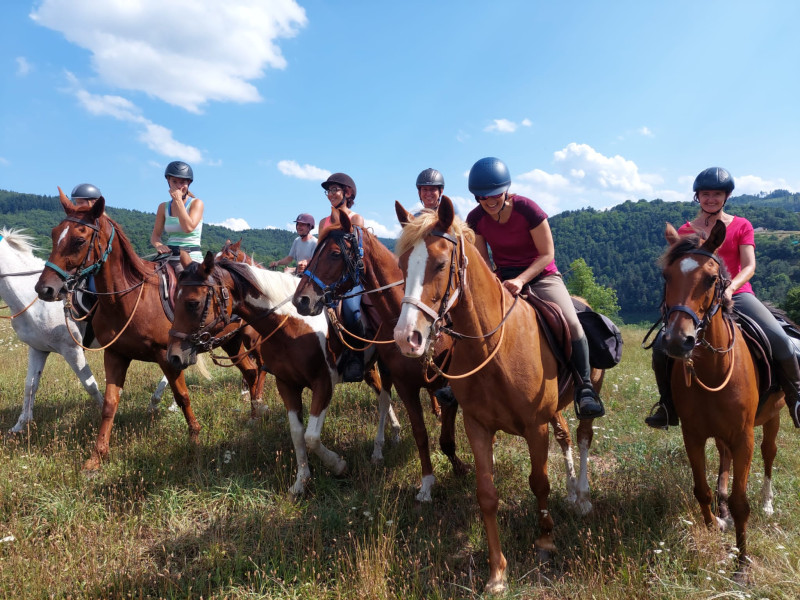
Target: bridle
80, 273
205, 338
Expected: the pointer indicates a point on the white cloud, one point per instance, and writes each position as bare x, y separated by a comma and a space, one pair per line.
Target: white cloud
502, 126
752, 184
382, 230
526, 123
234, 223
185, 53
291, 168
23, 66
156, 137
645, 131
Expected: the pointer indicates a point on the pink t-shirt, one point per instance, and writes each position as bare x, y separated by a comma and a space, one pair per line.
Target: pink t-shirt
738, 233
511, 242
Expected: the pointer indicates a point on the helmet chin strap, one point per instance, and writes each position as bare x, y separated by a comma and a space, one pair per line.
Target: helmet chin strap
711, 214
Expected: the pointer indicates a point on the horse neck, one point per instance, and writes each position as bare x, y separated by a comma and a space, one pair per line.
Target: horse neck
115, 273
480, 306
381, 268
17, 290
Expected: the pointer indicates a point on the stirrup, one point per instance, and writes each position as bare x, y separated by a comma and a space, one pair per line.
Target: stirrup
658, 418
579, 396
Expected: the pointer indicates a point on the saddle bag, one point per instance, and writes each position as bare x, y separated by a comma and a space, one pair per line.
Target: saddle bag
603, 336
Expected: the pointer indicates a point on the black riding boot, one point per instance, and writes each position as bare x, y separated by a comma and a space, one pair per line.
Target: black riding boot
587, 403
663, 413
789, 378
353, 360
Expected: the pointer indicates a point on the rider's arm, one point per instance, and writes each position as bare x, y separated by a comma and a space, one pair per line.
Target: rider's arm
747, 261
543, 239
158, 230
191, 219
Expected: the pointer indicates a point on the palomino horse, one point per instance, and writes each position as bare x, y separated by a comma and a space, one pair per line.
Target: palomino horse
295, 348
513, 384
41, 325
129, 319
715, 384
345, 257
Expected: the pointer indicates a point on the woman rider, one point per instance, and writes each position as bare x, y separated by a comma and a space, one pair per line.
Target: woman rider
712, 188
340, 189
181, 218
517, 232
430, 186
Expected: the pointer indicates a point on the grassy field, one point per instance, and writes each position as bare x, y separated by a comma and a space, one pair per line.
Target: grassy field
167, 520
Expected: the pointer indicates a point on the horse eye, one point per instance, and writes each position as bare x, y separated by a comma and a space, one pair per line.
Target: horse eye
441, 266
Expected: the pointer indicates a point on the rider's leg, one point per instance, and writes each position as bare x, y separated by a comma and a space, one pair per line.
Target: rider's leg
663, 413
353, 360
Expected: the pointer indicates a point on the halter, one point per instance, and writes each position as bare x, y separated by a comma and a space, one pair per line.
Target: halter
448, 301
352, 246
716, 303
204, 339
71, 280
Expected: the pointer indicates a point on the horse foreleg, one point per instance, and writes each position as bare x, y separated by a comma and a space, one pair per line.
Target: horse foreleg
158, 393
300, 453
740, 507
769, 449
722, 483
695, 450
77, 361
177, 384
36, 361
480, 440
447, 438
384, 406
585, 435
561, 433
413, 406
537, 438
116, 367
320, 400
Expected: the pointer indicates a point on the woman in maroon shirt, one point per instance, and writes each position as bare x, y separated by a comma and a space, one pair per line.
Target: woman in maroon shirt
712, 188
518, 234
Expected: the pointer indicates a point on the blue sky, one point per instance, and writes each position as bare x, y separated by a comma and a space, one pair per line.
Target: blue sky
590, 103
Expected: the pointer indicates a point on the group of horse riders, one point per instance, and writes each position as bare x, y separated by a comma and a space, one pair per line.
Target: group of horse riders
512, 233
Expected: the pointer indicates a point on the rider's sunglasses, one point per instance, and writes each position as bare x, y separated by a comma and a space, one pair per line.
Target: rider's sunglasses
484, 198
332, 190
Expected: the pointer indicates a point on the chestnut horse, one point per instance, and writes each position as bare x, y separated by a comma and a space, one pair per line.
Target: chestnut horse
513, 385
129, 319
715, 383
295, 349
345, 257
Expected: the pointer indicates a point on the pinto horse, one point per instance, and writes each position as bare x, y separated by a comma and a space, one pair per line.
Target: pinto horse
345, 257
715, 382
295, 348
508, 373
129, 319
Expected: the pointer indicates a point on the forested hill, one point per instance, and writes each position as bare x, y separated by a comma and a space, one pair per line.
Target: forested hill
621, 245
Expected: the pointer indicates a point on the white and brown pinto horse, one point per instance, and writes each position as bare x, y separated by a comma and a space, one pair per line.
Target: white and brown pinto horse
514, 387
295, 348
715, 384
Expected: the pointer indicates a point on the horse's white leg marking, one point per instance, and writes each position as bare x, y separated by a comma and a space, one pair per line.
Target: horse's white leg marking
384, 406
394, 424
313, 438
688, 265
303, 472
36, 360
584, 493
767, 497
77, 360
424, 494
569, 469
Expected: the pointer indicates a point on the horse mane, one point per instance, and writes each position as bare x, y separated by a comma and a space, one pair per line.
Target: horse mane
684, 246
133, 269
272, 285
421, 225
19, 241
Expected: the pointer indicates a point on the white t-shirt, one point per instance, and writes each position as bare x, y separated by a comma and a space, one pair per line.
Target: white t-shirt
303, 250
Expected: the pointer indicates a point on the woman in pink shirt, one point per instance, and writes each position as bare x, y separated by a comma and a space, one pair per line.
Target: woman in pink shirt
712, 189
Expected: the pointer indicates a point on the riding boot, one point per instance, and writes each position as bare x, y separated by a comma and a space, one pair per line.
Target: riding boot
445, 396
587, 403
353, 360
789, 378
663, 412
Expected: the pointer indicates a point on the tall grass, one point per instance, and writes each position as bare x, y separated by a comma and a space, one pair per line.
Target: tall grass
168, 520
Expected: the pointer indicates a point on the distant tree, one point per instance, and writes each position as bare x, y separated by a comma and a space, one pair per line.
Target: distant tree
581, 283
792, 304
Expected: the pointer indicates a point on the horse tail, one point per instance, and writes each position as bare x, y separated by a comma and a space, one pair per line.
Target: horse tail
202, 366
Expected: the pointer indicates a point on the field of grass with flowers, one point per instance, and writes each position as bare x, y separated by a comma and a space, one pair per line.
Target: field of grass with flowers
165, 519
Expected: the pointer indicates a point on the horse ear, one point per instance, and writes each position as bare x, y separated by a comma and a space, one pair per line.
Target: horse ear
446, 213
344, 221
235, 247
208, 262
402, 214
716, 237
65, 202
671, 235
98, 208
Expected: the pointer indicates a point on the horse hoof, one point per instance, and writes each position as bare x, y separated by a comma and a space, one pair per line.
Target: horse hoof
496, 587
340, 468
91, 468
260, 411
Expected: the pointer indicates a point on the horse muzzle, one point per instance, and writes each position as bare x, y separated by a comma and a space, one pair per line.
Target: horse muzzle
308, 306
49, 293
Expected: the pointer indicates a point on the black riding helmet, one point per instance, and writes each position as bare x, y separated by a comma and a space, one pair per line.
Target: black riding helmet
488, 177
86, 190
430, 177
178, 168
342, 179
714, 178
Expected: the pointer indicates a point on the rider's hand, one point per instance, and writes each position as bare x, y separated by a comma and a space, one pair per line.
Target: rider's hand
514, 285
274, 263
301, 266
163, 249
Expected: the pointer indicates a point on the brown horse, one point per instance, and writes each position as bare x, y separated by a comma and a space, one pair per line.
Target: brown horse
347, 256
512, 383
715, 383
129, 318
296, 349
